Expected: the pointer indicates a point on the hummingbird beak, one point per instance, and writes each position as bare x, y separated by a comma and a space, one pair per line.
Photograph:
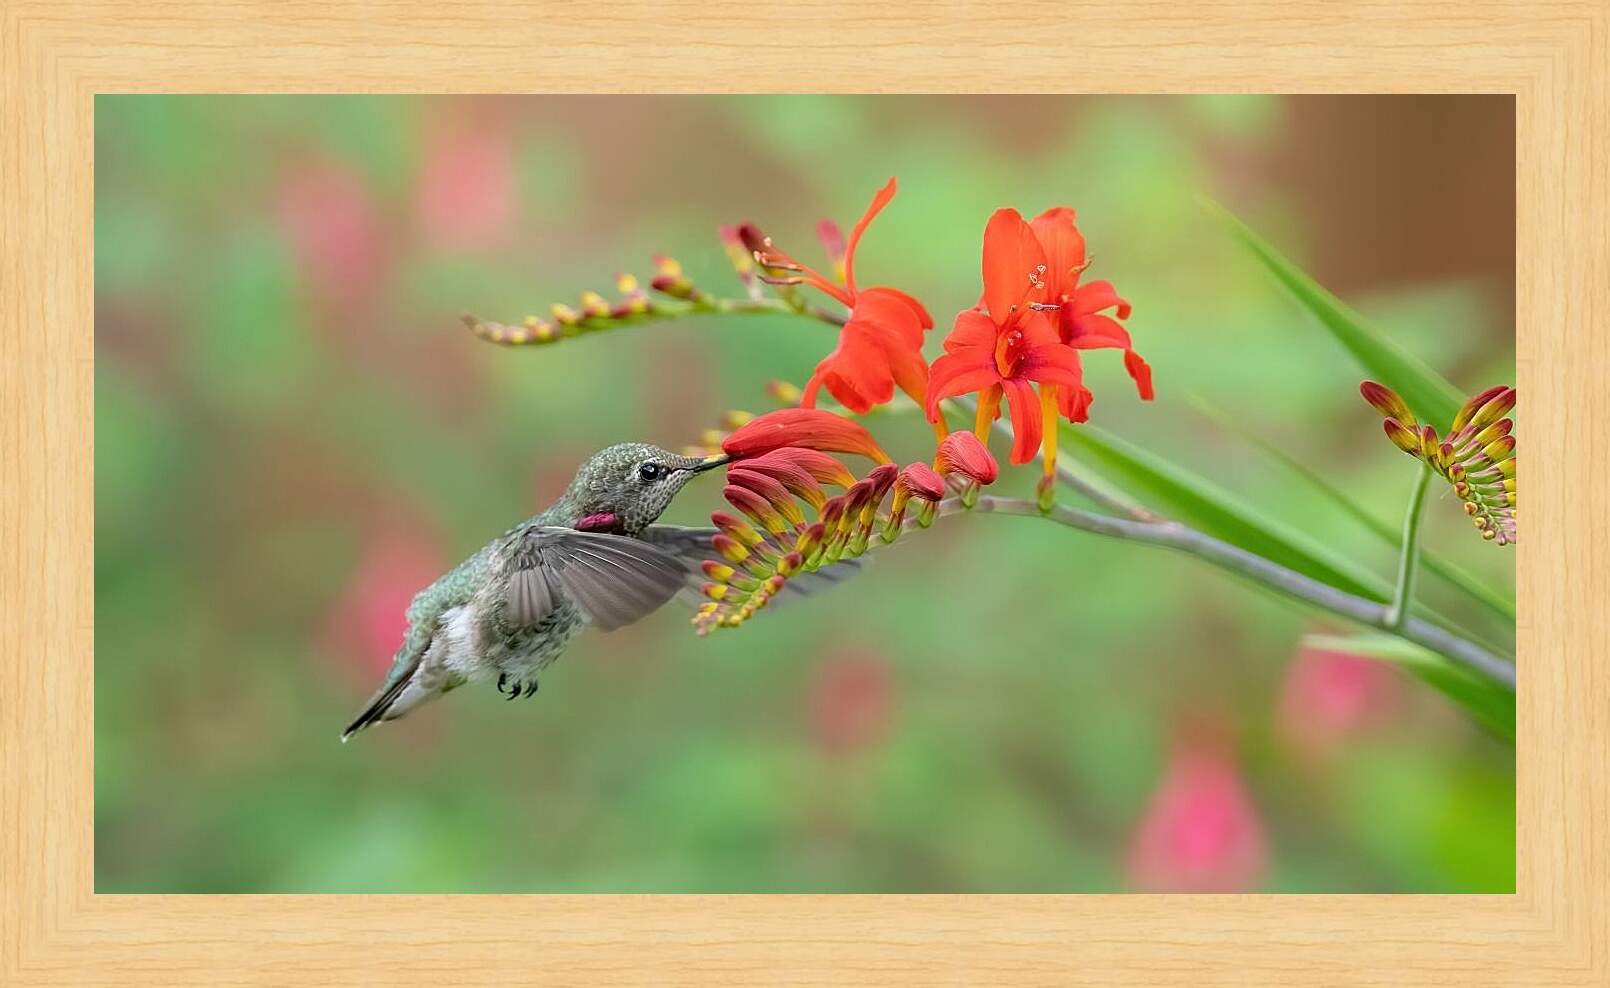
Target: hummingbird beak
710, 463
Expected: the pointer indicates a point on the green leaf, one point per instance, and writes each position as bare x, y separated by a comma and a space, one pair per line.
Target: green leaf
1198, 501
1491, 704
1432, 397
1499, 603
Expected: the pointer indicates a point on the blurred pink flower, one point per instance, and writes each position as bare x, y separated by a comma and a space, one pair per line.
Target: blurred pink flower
1329, 695
851, 702
334, 229
370, 616
467, 192
1201, 832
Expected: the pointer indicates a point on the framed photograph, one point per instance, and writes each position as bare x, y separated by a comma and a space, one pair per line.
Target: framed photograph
531, 496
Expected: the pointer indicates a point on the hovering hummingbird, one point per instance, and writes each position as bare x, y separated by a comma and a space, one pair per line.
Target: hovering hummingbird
594, 557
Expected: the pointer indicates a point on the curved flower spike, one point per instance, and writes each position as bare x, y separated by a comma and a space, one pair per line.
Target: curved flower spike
808, 428
1476, 457
752, 568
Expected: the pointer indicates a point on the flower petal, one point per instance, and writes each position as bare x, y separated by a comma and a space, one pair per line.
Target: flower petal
1141, 371
972, 329
879, 200
1064, 250
1093, 332
958, 374
1096, 296
884, 293
810, 428
1025, 406
1013, 263
856, 374
1074, 403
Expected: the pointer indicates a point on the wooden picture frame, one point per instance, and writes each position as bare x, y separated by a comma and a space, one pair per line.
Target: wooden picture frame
1554, 56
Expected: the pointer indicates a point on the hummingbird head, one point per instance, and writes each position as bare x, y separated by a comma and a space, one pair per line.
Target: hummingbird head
634, 482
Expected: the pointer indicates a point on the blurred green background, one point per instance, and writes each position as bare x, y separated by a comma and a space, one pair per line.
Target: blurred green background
294, 434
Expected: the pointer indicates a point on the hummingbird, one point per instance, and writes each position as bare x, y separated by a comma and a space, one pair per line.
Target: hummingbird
593, 557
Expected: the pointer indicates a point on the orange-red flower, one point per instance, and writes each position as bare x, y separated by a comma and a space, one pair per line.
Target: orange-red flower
1081, 322
1010, 344
880, 346
807, 428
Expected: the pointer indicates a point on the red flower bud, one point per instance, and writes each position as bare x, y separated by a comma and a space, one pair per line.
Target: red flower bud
809, 428
802, 472
962, 453
769, 488
1387, 402
756, 507
919, 480
1501, 400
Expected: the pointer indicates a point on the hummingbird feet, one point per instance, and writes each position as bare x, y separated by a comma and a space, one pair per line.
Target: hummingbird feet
514, 686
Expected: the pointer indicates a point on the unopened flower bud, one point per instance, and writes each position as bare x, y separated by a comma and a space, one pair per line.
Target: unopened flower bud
963, 454
784, 392
1402, 436
1489, 406
1387, 402
593, 306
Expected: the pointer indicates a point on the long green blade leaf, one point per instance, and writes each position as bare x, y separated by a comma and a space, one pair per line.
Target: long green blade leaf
1490, 704
1455, 575
1428, 393
1200, 502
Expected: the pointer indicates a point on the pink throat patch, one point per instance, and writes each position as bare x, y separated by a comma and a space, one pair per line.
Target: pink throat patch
597, 523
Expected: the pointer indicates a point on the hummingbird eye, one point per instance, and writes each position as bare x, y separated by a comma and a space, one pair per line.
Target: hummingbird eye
651, 472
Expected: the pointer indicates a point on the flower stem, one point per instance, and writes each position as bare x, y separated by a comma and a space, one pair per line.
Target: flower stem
1181, 538
1409, 557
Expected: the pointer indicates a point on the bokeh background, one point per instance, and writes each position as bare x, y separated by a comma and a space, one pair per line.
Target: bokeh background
294, 434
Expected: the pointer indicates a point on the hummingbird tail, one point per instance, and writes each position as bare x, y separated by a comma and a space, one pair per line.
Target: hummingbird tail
377, 708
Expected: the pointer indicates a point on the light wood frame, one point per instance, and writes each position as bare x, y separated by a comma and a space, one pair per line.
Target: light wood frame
54, 57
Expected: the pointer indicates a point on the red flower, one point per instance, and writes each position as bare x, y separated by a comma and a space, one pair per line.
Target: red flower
880, 345
1080, 322
1010, 345
808, 428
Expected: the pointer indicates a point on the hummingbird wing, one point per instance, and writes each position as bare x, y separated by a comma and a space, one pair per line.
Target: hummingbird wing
613, 579
691, 547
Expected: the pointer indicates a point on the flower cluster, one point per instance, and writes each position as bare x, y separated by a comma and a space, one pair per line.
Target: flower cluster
1477, 456
1021, 340
782, 466
1019, 343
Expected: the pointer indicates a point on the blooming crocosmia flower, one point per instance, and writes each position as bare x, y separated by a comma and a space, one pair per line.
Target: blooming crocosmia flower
1009, 345
1081, 322
1201, 832
809, 428
964, 453
880, 345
